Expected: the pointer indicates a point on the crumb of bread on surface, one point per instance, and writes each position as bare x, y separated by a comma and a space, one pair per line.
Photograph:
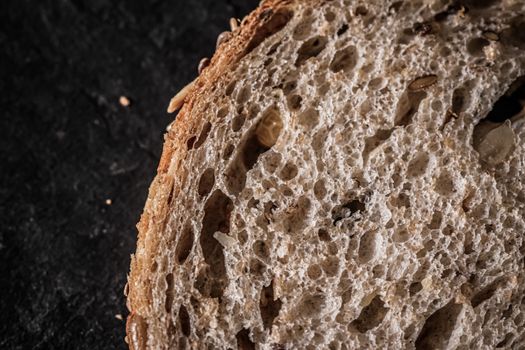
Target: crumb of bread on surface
124, 101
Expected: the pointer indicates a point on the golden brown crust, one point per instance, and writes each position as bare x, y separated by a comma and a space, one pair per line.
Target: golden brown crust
253, 29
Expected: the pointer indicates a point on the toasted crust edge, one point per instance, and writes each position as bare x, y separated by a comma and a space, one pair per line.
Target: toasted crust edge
155, 213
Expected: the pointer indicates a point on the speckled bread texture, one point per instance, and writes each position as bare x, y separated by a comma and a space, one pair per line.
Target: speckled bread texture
343, 175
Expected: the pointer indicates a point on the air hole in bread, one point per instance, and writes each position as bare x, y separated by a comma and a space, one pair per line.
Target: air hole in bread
294, 102
401, 235
230, 87
330, 265
303, 29
376, 83
329, 16
505, 341
244, 95
184, 320
297, 215
242, 236
259, 140
287, 191
361, 10
206, 182
310, 48
243, 340
253, 203
185, 244
274, 48
314, 271
486, 293
222, 113
269, 306
228, 150
400, 201
237, 122
405, 36
379, 271
438, 328
351, 208
260, 248
344, 59
217, 212
458, 100
203, 135
169, 293
373, 142
342, 29
324, 235
371, 316
257, 267
288, 172
272, 160
311, 305
271, 23
408, 106
190, 142
419, 165
415, 287
320, 189
308, 119
347, 295
510, 104
170, 195
368, 246
289, 86
475, 46
435, 222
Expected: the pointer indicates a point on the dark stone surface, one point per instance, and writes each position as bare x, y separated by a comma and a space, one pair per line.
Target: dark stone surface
66, 145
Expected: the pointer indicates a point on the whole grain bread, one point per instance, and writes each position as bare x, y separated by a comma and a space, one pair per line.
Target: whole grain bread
343, 175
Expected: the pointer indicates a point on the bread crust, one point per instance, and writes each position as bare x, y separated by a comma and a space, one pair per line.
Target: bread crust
161, 191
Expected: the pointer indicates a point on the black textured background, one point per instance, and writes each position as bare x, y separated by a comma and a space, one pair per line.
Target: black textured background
67, 145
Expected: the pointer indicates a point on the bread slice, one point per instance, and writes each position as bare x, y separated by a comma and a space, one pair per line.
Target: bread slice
343, 175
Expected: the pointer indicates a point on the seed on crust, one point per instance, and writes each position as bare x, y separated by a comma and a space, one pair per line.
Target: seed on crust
223, 37
234, 24
492, 36
269, 128
205, 62
422, 82
178, 100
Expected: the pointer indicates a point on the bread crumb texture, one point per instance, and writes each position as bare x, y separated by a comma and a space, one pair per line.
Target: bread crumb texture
344, 175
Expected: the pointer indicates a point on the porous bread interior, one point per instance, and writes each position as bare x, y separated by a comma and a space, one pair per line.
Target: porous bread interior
373, 222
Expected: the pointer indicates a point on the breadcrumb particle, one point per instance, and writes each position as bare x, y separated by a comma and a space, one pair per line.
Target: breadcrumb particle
124, 101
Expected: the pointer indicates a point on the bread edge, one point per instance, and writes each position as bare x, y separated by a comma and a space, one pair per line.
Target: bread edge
156, 210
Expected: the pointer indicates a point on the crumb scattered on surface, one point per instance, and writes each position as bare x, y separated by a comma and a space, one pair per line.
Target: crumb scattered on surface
124, 101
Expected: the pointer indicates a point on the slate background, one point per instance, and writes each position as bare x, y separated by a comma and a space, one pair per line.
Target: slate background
66, 145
